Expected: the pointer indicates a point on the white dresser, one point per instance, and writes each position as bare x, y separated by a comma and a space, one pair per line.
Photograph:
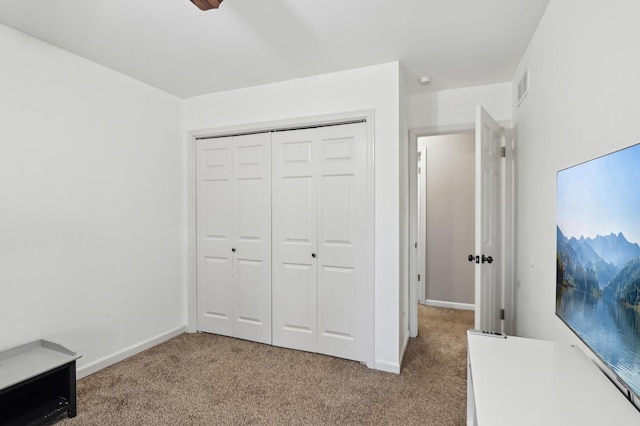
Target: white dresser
517, 381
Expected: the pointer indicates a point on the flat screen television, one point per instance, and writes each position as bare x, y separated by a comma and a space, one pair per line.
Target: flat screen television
598, 261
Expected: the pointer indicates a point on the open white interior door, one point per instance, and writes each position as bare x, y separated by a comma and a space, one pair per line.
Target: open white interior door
488, 246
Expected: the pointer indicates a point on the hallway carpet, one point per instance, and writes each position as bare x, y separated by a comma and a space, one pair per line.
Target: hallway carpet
204, 379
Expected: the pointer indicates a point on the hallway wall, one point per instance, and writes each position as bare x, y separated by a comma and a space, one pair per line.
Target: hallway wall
450, 198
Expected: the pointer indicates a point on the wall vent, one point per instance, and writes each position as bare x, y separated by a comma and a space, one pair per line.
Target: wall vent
523, 87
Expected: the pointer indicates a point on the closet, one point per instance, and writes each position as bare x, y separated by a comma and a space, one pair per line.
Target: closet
296, 207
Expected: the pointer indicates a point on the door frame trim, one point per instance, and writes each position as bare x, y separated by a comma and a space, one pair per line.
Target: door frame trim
367, 115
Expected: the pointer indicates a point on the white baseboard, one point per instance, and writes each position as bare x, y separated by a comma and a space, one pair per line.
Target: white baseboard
404, 348
123, 354
451, 305
387, 366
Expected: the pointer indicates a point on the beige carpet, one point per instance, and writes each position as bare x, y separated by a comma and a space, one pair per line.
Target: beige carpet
203, 379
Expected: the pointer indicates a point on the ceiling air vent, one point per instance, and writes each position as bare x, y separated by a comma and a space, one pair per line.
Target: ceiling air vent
523, 87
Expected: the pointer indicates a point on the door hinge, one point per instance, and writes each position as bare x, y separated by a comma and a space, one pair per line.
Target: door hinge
503, 151
418, 277
501, 314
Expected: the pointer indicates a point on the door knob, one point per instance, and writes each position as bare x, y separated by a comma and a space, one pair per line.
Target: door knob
487, 259
313, 255
233, 250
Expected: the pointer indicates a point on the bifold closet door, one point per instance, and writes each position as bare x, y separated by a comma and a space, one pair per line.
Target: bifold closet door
233, 203
319, 234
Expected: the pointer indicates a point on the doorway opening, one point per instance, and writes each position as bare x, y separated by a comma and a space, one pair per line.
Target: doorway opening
445, 219
491, 256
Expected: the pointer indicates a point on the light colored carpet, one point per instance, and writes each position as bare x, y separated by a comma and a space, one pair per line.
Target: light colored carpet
204, 379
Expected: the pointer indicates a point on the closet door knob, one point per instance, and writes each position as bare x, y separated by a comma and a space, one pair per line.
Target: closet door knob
313, 255
233, 250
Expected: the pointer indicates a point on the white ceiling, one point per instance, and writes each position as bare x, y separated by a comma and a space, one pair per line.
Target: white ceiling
172, 45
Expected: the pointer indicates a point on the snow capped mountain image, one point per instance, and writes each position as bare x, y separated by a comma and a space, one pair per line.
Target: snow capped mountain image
598, 258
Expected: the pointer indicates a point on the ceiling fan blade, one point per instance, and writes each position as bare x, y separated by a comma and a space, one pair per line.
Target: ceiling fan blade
207, 4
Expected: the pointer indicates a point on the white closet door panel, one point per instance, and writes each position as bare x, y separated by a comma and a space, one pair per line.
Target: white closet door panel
342, 233
248, 273
296, 308
214, 235
338, 224
294, 240
233, 196
336, 295
217, 218
252, 319
297, 218
337, 208
252, 237
251, 155
214, 296
294, 294
214, 159
321, 249
295, 152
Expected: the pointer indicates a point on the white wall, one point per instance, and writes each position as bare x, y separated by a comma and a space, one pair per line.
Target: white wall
375, 87
583, 103
450, 211
446, 110
91, 203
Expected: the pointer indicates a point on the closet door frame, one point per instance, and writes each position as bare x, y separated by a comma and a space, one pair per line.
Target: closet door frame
321, 120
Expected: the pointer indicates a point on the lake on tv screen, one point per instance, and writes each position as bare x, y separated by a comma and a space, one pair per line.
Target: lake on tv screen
598, 258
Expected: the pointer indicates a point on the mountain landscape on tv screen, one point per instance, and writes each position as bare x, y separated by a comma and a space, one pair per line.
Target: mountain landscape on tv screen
604, 266
598, 297
598, 259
